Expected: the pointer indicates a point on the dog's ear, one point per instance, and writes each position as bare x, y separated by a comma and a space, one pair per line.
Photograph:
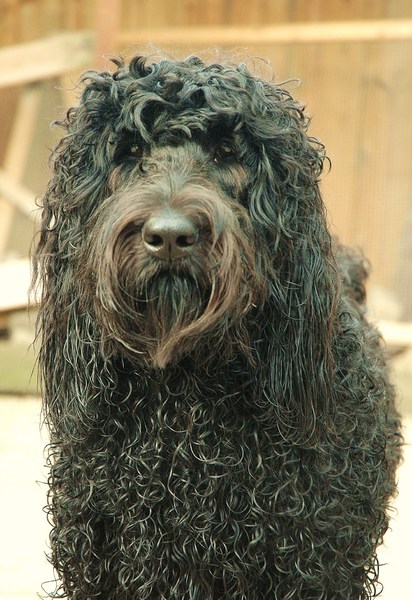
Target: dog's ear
82, 158
81, 167
287, 209
80, 172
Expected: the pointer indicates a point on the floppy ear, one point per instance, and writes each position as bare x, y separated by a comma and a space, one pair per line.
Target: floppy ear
79, 175
287, 209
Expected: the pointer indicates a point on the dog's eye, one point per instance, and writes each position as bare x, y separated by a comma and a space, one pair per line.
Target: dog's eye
133, 151
224, 151
128, 149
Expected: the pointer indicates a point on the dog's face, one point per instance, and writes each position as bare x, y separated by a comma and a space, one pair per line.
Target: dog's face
178, 183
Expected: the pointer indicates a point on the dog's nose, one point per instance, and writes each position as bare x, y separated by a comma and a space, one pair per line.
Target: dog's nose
169, 235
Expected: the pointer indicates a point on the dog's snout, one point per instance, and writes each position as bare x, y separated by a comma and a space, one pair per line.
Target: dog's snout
169, 235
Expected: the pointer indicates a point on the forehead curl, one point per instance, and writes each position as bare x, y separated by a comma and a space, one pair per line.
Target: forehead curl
139, 93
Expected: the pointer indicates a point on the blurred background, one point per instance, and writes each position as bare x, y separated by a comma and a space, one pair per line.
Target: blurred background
351, 62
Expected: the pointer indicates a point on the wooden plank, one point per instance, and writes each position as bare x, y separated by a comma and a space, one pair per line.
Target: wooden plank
396, 333
47, 58
336, 121
15, 279
384, 155
291, 33
212, 12
51, 16
17, 152
108, 22
18, 195
372, 189
9, 25
30, 21
333, 119
395, 147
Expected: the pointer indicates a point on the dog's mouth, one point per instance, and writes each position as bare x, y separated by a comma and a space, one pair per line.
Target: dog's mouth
172, 303
174, 292
176, 311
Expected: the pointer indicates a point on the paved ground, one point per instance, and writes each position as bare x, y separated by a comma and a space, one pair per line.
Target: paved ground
23, 527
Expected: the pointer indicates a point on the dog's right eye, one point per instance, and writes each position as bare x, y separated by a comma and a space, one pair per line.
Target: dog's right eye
128, 151
224, 151
129, 147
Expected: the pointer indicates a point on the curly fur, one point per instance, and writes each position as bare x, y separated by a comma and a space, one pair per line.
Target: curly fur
222, 426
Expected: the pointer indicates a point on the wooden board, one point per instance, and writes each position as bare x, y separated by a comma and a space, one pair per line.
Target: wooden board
15, 279
46, 58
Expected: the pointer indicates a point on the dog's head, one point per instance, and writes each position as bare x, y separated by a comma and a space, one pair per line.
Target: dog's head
184, 200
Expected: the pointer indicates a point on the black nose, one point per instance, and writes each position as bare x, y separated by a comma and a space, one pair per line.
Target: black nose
169, 235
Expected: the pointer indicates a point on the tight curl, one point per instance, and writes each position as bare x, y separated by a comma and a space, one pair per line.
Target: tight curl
222, 424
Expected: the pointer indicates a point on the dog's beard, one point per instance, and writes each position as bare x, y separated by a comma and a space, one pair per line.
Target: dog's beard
170, 315
172, 305
162, 312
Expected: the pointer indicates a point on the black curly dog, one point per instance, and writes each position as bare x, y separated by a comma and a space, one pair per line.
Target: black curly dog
222, 424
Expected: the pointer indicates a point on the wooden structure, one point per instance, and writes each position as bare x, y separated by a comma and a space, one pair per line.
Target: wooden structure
354, 60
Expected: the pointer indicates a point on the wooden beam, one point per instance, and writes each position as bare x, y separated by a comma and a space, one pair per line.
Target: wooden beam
107, 28
18, 195
46, 58
396, 333
291, 33
15, 276
18, 151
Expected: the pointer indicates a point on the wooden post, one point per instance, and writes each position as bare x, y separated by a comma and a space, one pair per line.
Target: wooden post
17, 152
108, 22
289, 33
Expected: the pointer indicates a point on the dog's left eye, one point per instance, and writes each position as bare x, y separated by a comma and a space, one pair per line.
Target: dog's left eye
224, 151
134, 151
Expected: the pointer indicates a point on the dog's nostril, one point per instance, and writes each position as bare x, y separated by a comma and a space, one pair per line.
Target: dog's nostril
169, 235
154, 240
184, 241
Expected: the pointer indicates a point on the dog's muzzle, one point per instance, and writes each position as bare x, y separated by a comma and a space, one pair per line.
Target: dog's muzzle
169, 235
